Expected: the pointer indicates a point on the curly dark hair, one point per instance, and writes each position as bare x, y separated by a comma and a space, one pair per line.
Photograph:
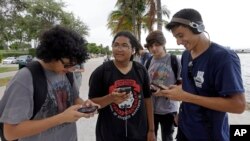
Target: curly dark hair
61, 42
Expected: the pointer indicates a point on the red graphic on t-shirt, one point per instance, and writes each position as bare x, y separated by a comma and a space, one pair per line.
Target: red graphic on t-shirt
61, 99
129, 107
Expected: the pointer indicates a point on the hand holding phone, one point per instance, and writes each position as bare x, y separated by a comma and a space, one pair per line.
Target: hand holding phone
153, 90
124, 89
158, 86
87, 110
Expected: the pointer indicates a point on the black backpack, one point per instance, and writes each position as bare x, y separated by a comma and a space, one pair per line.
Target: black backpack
40, 88
174, 65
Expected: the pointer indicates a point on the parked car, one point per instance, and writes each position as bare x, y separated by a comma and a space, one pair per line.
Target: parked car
9, 60
23, 60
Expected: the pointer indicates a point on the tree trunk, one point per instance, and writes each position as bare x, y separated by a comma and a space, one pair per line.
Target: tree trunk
159, 15
139, 32
134, 16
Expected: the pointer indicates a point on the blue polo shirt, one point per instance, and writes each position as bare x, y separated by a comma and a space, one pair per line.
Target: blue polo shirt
215, 73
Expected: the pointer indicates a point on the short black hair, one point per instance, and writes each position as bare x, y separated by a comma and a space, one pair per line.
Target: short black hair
132, 39
61, 42
188, 14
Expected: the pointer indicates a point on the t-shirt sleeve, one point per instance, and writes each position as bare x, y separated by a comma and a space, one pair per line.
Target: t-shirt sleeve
18, 98
228, 78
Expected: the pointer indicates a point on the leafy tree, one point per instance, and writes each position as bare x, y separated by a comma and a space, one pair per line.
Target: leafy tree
69, 20
10, 10
98, 49
23, 20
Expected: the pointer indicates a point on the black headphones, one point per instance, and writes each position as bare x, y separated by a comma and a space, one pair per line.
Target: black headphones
198, 27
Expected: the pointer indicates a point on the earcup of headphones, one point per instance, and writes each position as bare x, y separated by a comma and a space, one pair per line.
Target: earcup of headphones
200, 28
197, 28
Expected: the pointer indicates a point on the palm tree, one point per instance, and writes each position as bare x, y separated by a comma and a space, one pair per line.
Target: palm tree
155, 9
128, 16
131, 15
159, 15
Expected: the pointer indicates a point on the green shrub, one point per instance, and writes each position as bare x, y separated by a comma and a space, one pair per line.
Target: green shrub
1, 57
32, 51
16, 53
18, 45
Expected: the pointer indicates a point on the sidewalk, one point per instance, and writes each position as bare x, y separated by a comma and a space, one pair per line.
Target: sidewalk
7, 74
2, 89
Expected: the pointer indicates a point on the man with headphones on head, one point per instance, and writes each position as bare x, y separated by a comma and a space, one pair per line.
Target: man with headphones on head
211, 82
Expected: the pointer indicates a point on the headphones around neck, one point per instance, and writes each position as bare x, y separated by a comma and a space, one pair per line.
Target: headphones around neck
199, 28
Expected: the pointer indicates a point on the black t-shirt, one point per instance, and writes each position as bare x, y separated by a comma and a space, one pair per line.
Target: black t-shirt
128, 120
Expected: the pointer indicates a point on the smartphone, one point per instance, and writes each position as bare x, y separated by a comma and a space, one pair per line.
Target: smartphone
153, 90
125, 89
158, 86
87, 110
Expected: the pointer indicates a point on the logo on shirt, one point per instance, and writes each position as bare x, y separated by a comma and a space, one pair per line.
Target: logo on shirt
128, 108
199, 79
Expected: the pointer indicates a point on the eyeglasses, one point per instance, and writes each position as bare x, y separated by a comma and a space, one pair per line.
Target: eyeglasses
121, 46
190, 69
67, 65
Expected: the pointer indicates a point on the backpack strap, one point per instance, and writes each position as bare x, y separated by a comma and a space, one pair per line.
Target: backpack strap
139, 70
106, 74
174, 64
70, 77
148, 62
175, 67
39, 85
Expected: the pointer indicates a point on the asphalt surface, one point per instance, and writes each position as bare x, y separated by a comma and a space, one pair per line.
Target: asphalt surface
86, 127
7, 74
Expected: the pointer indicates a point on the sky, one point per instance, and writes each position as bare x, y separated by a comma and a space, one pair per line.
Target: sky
225, 20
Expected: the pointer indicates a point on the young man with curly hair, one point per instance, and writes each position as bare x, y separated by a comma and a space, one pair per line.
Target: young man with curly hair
59, 50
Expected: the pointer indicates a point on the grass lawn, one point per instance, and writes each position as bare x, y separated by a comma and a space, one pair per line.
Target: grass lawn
7, 69
4, 81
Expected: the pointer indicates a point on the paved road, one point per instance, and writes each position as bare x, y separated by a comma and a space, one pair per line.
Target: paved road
86, 127
7, 74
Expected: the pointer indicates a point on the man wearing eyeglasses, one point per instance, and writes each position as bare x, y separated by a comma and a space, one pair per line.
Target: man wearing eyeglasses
211, 82
59, 50
121, 87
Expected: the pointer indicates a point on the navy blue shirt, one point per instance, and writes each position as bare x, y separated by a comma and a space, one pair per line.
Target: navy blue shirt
215, 73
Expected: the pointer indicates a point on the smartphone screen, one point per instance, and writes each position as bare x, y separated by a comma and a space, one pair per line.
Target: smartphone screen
125, 89
88, 109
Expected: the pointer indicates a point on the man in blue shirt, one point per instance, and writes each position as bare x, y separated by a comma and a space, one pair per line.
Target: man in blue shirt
211, 82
